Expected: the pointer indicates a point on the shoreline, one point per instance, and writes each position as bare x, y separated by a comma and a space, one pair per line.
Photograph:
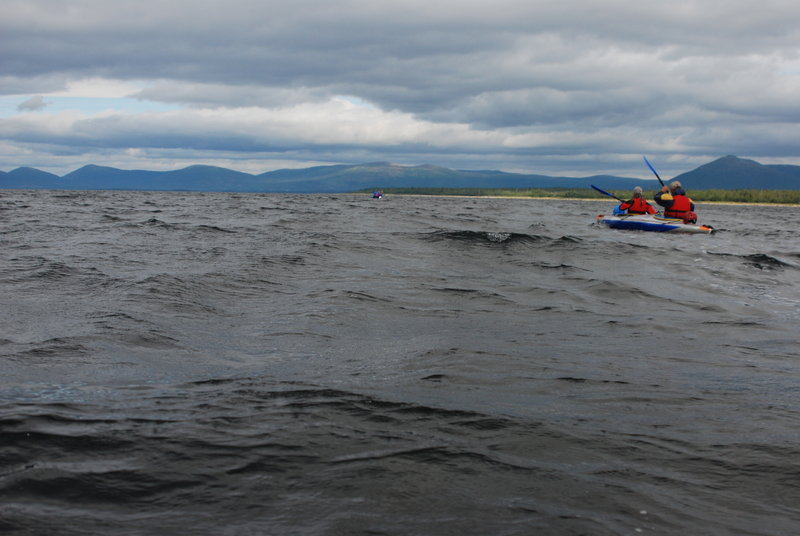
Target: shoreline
736, 203
538, 198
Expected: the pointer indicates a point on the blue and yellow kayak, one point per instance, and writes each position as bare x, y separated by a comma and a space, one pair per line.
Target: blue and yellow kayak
653, 223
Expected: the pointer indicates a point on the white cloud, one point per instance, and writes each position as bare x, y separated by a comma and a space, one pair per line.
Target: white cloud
98, 88
337, 121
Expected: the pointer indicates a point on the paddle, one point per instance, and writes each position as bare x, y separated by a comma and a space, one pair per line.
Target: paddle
606, 193
653, 169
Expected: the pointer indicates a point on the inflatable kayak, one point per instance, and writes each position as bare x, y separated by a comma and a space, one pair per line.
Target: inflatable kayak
648, 222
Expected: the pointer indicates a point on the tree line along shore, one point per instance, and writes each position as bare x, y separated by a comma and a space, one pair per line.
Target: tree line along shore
754, 196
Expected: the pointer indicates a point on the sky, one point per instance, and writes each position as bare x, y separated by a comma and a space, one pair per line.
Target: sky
567, 88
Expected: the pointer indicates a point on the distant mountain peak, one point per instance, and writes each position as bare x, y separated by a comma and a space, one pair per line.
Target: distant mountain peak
376, 164
29, 171
201, 166
732, 172
96, 166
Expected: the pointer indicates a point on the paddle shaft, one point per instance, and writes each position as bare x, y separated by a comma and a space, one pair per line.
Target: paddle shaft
653, 170
608, 194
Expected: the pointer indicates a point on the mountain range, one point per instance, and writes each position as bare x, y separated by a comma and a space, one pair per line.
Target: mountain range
729, 172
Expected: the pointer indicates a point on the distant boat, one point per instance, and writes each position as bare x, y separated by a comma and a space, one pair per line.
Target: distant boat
377, 195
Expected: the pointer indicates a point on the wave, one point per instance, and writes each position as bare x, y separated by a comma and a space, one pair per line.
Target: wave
482, 237
214, 229
48, 352
761, 261
479, 295
765, 262
500, 238
37, 267
258, 451
198, 229
155, 222
178, 294
39, 274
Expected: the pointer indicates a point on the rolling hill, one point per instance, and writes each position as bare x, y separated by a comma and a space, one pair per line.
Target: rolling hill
728, 172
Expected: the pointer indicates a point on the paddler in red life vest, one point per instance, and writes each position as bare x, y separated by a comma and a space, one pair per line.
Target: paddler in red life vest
637, 204
676, 203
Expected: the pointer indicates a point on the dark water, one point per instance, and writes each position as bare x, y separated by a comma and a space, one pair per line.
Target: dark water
299, 365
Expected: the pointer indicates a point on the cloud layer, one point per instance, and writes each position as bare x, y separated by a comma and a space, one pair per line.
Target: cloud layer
574, 88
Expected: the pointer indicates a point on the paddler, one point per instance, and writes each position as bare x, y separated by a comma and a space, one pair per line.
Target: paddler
676, 203
637, 204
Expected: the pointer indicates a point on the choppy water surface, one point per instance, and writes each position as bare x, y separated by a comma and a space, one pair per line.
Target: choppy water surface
189, 363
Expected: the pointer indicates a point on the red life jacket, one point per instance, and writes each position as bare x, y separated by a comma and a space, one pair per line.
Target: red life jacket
637, 205
681, 204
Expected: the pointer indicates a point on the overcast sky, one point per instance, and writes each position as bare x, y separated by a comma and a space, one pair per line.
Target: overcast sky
558, 87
